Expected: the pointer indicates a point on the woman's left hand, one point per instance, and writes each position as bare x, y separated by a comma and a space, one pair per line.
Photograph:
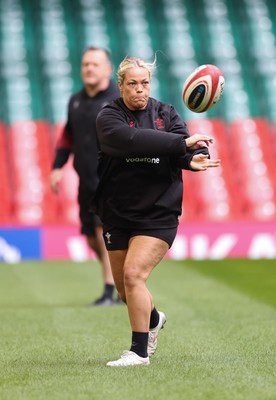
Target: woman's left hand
196, 141
201, 162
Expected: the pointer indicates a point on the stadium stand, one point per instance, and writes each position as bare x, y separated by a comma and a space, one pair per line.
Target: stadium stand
31, 158
213, 194
41, 44
253, 156
67, 206
15, 64
5, 178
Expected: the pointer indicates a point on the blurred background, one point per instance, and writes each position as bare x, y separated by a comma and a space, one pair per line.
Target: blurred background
41, 43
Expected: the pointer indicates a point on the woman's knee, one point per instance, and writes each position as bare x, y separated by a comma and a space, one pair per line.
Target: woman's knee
133, 276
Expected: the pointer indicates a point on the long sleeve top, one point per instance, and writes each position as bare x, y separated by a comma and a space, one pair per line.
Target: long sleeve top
142, 154
79, 135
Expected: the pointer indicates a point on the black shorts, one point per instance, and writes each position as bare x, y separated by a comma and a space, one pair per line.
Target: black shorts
118, 238
89, 220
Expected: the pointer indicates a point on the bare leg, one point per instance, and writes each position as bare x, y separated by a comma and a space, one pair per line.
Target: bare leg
131, 269
143, 255
97, 244
117, 259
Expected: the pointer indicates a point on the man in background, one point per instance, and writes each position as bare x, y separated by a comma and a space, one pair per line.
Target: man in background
79, 138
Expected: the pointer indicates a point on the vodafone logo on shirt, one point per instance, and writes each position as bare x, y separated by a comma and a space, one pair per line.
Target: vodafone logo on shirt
143, 159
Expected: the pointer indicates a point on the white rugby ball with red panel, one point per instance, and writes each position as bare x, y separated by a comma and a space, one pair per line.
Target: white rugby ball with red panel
203, 88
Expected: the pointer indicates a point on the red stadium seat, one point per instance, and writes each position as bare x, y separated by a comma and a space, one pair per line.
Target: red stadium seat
5, 178
31, 154
211, 191
55, 134
68, 189
68, 194
243, 187
254, 165
272, 138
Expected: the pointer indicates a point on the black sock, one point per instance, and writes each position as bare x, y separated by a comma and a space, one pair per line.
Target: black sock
139, 343
108, 290
154, 318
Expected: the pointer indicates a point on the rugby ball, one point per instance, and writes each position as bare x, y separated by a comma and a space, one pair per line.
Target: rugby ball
203, 88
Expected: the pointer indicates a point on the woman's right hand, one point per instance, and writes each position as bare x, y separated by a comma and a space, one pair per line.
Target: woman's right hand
197, 141
201, 162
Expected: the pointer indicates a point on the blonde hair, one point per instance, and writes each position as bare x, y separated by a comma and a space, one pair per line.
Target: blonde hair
134, 62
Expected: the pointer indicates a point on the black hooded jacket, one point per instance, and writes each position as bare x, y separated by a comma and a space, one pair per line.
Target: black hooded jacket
142, 154
79, 135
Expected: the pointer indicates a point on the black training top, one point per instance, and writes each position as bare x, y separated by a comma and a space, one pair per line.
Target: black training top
79, 134
142, 154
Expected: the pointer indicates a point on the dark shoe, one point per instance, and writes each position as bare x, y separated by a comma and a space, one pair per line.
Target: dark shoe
103, 302
119, 301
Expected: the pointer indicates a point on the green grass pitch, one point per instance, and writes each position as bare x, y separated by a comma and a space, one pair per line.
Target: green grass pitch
219, 341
